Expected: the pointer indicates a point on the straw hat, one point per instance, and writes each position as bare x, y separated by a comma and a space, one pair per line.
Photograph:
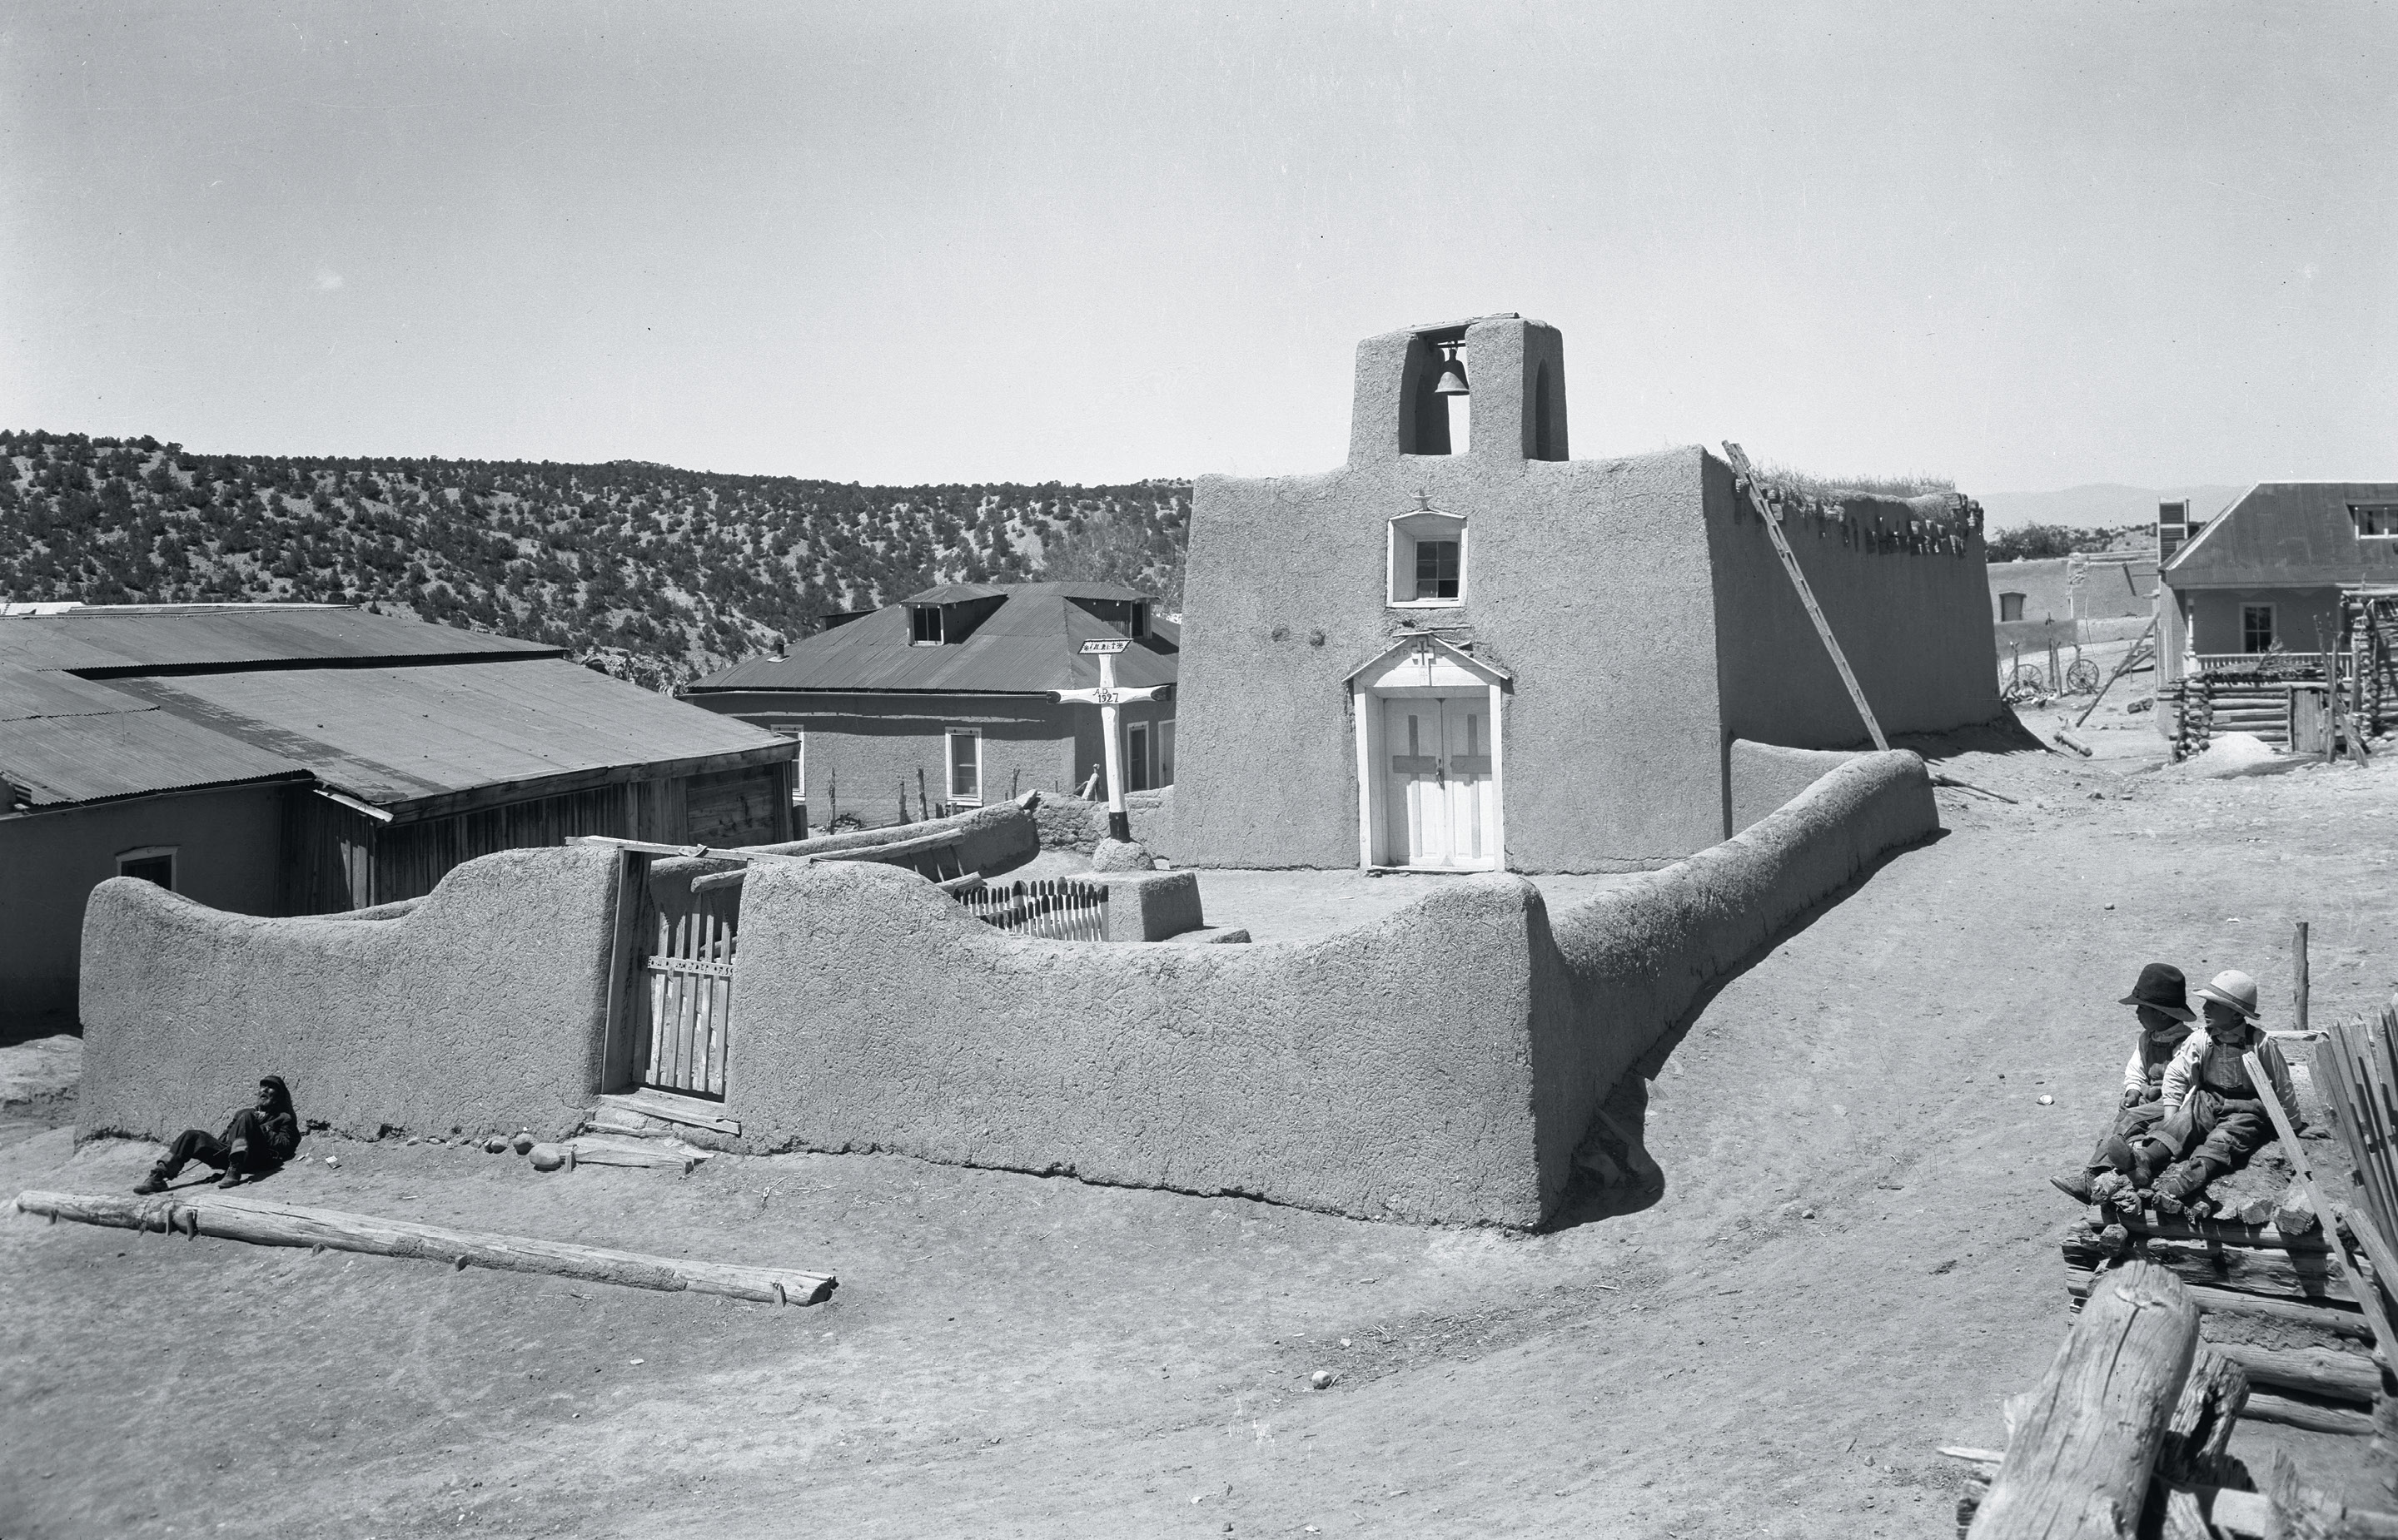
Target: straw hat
2233, 988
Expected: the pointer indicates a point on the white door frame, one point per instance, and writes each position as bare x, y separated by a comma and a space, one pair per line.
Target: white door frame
1418, 668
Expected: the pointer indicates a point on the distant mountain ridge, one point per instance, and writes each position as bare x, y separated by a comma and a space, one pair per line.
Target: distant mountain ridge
2101, 505
655, 574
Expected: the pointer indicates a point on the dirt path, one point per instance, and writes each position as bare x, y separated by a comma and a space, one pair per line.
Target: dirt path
1853, 1261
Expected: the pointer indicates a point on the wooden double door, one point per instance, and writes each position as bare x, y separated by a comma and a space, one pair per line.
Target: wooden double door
1441, 799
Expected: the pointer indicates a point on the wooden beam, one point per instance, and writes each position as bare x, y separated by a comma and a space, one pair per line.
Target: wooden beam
2315, 1371
2367, 1296
2212, 1302
1748, 480
2079, 1462
2290, 1413
262, 1221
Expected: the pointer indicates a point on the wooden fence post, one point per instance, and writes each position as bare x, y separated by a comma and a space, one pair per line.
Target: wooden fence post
2079, 1464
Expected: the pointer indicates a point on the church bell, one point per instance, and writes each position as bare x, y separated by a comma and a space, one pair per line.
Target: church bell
1452, 372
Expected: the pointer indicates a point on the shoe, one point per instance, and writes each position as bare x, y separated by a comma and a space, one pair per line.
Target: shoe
2076, 1186
231, 1179
154, 1183
2178, 1185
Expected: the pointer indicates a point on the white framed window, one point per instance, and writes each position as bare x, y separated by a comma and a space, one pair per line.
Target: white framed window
1137, 738
966, 765
923, 625
2375, 518
2255, 628
151, 863
1165, 752
1428, 555
798, 735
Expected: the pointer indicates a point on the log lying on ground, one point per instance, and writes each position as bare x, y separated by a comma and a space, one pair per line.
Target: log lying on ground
262, 1221
2312, 1416
2319, 1318
2333, 1376
2080, 1461
2307, 1277
2226, 1232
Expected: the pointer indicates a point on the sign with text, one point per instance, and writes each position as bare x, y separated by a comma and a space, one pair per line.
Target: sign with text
1105, 646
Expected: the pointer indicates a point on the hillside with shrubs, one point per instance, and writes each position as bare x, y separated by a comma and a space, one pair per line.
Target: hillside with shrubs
653, 573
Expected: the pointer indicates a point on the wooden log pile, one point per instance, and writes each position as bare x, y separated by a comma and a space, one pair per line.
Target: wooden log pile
2129, 1433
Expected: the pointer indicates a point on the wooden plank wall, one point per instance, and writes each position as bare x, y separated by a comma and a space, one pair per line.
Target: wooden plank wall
335, 860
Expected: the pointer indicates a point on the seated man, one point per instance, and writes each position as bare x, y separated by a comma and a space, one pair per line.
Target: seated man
259, 1139
2216, 1121
2165, 1016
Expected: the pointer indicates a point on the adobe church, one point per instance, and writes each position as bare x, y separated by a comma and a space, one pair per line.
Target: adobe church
1488, 655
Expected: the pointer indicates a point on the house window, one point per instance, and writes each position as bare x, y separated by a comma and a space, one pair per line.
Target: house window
1427, 558
966, 765
2255, 628
2375, 518
151, 863
796, 735
1140, 621
2010, 606
924, 625
1166, 754
1136, 777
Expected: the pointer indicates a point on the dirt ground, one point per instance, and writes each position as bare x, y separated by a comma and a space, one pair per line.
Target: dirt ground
1854, 1259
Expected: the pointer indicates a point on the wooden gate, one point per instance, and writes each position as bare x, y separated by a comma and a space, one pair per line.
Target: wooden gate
686, 994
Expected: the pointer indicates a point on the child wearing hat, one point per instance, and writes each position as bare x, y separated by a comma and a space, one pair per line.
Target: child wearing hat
2159, 997
2217, 1118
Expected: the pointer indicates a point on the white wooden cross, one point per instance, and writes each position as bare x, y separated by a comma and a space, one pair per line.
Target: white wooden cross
1106, 697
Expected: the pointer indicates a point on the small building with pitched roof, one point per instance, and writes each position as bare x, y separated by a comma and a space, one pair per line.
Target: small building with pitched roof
307, 759
948, 698
2265, 574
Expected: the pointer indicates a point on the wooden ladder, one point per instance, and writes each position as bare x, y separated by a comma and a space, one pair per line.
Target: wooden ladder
1746, 482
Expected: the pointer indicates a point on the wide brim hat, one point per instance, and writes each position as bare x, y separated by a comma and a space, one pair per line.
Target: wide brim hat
2162, 988
2233, 988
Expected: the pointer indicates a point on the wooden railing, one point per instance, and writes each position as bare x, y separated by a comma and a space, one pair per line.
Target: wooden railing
1051, 910
2285, 665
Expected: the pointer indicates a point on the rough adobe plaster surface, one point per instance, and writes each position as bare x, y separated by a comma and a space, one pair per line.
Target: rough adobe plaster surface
1914, 626
1291, 1072
1645, 620
877, 1015
1767, 776
1268, 773
1617, 979
1149, 906
480, 1008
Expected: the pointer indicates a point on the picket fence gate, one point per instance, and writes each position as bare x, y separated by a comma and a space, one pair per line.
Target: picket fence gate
689, 978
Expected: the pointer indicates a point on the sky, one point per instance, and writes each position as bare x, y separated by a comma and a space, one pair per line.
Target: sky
2024, 247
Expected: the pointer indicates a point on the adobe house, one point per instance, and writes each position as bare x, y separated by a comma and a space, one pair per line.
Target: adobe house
1487, 654
952, 690
2267, 572
2088, 597
307, 759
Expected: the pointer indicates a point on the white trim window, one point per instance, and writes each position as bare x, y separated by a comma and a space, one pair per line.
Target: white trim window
151, 863
2375, 520
2257, 632
1427, 557
965, 759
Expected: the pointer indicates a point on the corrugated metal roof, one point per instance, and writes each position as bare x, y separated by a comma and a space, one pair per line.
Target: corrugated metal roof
89, 758
394, 735
955, 592
26, 693
156, 638
2288, 534
1029, 646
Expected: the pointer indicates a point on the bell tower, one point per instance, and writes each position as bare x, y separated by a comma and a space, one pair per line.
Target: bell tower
1509, 371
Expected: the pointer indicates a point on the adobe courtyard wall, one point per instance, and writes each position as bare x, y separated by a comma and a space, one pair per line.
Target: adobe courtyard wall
478, 1006
1439, 1065
1294, 1072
